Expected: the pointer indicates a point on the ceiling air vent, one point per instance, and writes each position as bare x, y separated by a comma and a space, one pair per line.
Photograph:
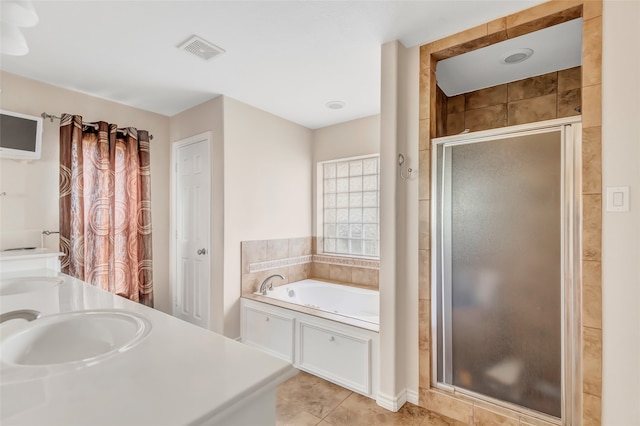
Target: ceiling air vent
201, 48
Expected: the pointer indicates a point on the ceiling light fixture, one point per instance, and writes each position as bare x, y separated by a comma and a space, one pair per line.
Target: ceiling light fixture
13, 15
335, 105
516, 56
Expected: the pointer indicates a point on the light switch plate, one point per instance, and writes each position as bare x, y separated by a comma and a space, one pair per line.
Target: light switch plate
618, 199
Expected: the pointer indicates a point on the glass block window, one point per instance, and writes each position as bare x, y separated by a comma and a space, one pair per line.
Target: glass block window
351, 206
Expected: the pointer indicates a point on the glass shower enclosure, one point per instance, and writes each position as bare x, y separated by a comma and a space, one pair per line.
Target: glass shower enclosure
505, 220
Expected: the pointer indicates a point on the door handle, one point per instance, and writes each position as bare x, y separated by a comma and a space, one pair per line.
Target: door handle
202, 251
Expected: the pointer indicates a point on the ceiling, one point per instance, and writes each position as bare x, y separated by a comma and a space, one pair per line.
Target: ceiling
554, 48
286, 57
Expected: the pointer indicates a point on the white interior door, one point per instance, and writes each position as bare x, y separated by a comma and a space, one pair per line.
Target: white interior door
192, 213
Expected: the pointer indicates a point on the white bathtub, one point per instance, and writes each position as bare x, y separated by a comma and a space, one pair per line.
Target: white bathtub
354, 302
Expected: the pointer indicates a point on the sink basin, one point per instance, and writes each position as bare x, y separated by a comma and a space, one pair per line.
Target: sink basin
83, 337
11, 286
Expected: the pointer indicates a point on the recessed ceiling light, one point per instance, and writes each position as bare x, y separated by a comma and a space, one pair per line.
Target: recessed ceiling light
335, 104
516, 56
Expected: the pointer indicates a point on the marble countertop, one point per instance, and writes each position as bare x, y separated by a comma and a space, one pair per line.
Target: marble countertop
178, 373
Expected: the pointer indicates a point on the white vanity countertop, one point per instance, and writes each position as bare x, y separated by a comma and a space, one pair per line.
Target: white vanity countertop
27, 254
178, 374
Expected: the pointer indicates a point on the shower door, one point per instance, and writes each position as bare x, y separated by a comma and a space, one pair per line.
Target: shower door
503, 247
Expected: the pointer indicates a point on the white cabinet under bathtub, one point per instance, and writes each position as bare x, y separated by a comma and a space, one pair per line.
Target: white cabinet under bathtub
341, 353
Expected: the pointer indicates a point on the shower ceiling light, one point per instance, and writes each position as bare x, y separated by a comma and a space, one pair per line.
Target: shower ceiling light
516, 56
335, 105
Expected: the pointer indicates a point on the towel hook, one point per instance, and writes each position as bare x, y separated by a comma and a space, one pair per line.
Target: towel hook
400, 163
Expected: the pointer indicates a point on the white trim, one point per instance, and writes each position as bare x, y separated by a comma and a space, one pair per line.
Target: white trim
413, 397
392, 403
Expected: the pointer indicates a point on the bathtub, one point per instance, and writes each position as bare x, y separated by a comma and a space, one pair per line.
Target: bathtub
354, 302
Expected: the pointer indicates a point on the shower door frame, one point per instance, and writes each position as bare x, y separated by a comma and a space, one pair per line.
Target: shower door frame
571, 285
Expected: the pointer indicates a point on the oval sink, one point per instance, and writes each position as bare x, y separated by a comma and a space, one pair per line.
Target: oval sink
11, 286
75, 337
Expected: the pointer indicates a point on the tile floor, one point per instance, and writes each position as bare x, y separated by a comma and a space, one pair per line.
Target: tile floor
306, 400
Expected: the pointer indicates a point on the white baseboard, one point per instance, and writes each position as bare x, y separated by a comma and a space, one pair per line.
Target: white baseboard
395, 403
413, 397
392, 403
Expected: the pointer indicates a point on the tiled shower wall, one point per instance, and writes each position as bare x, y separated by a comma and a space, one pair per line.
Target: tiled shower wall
295, 259
539, 98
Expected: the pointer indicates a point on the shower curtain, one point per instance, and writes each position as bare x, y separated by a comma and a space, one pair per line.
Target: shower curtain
105, 207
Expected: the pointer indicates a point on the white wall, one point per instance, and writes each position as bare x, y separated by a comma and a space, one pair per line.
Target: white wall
267, 189
399, 225
621, 231
209, 117
349, 139
31, 201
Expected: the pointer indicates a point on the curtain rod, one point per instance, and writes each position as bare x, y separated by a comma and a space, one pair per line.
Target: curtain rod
51, 117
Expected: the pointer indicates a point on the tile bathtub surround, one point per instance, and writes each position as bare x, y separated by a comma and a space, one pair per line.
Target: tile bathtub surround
294, 259
290, 257
571, 86
538, 98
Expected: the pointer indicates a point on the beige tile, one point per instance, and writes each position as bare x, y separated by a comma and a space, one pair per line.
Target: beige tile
447, 405
533, 87
340, 273
312, 394
253, 252
542, 16
358, 410
486, 97
569, 79
299, 246
425, 140
251, 282
455, 104
592, 160
425, 93
434, 419
483, 416
592, 294
592, 361
531, 421
497, 25
592, 227
463, 37
441, 112
532, 110
365, 276
591, 410
424, 230
277, 249
491, 117
320, 270
424, 324
591, 9
424, 368
424, 274
293, 414
592, 52
568, 102
424, 167
592, 106
299, 272
455, 123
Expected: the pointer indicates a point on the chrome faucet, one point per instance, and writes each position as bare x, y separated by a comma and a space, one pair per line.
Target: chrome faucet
265, 283
26, 314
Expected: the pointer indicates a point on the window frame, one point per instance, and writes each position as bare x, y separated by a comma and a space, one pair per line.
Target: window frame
320, 210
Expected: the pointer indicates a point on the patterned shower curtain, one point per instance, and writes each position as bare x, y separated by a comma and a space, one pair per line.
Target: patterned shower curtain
105, 207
